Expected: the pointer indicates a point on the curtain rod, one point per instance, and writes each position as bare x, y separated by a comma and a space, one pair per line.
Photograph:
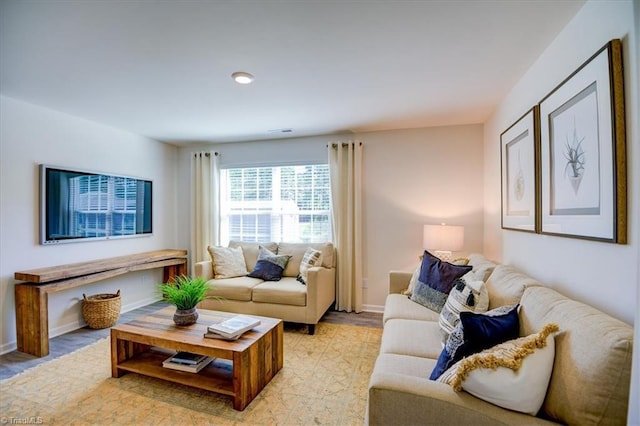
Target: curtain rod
344, 145
206, 154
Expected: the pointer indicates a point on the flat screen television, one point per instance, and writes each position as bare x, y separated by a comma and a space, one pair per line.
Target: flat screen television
80, 205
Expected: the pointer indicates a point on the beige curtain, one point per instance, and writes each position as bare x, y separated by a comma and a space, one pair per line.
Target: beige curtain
205, 204
345, 168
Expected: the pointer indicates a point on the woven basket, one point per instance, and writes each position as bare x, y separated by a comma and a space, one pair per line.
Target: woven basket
101, 310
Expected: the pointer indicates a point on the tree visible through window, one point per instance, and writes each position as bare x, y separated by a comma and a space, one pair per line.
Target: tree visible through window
288, 203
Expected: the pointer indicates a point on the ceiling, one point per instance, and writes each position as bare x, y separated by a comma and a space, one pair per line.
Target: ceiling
162, 69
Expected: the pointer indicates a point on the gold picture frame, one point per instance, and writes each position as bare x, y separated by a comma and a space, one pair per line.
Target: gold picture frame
583, 152
520, 183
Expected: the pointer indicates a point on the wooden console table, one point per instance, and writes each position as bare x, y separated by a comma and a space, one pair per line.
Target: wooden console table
32, 297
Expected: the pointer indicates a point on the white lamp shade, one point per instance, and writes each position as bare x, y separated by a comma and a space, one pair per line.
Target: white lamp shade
443, 237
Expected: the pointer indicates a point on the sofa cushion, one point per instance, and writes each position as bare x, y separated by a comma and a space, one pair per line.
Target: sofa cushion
227, 262
400, 306
513, 375
592, 367
482, 267
269, 266
506, 284
250, 251
467, 295
411, 337
476, 332
239, 288
435, 282
287, 291
297, 250
311, 258
403, 364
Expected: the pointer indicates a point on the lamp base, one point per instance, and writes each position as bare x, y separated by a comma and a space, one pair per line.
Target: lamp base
443, 255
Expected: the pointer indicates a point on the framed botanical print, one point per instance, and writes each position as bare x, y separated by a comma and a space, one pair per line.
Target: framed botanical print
583, 153
520, 186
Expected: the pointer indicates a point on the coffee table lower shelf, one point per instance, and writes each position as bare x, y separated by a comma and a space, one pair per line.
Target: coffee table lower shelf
216, 377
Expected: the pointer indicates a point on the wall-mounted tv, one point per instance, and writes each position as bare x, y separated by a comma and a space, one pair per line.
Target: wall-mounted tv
80, 205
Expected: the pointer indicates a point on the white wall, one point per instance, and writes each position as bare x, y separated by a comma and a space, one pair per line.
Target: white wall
31, 135
603, 275
411, 177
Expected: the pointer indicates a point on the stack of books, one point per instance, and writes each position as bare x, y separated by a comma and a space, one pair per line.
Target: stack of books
187, 361
232, 328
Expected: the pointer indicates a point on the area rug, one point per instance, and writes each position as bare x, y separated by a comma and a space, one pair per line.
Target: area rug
323, 381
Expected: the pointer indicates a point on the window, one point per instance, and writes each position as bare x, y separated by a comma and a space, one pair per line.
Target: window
289, 203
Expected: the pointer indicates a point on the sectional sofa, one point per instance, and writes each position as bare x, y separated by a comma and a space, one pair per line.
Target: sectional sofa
590, 371
287, 298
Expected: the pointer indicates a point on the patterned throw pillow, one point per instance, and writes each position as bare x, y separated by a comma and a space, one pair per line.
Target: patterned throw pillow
311, 258
476, 332
227, 262
269, 266
436, 281
513, 375
467, 295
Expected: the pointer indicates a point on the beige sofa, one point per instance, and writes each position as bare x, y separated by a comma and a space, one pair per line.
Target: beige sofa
589, 381
287, 299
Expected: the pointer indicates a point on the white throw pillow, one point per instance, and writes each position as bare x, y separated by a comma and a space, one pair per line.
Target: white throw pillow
311, 258
227, 262
467, 295
513, 375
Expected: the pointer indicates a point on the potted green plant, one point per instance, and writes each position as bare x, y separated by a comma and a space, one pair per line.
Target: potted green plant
185, 293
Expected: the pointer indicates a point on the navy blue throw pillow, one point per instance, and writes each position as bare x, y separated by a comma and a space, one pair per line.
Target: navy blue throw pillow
435, 281
475, 333
269, 266
445, 360
482, 332
267, 271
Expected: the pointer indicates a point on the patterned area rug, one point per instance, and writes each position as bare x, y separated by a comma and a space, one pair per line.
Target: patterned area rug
324, 381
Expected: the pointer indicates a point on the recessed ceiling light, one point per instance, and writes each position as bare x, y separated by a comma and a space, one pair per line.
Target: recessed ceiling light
242, 77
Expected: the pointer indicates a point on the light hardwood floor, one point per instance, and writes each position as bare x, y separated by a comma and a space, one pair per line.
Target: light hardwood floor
16, 362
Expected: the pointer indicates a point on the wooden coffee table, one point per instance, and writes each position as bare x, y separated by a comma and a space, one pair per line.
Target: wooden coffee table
242, 368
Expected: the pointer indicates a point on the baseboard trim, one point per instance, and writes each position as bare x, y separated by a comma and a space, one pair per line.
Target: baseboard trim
373, 308
8, 347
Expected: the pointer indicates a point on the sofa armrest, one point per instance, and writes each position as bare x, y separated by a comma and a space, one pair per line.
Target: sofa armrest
204, 269
400, 399
399, 281
321, 292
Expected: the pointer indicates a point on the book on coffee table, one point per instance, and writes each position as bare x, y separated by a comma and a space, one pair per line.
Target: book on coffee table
212, 335
191, 368
187, 358
233, 327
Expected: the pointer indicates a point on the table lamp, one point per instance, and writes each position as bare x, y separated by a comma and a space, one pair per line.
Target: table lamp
443, 239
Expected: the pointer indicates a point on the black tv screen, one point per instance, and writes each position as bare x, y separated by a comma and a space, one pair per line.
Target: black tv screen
79, 205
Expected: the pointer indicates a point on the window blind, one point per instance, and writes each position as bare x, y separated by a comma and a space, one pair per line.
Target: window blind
285, 203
